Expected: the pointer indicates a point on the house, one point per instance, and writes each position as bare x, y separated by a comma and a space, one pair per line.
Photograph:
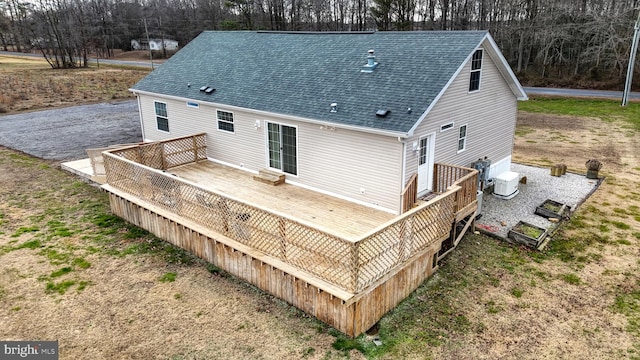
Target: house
357, 124
154, 44
351, 115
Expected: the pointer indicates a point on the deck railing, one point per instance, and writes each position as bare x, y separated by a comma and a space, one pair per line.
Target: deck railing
164, 155
350, 264
409, 194
446, 175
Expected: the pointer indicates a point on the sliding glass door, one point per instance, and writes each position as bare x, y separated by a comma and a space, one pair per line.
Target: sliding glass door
283, 148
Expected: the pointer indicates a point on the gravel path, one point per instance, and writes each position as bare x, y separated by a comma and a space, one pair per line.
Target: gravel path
569, 189
65, 134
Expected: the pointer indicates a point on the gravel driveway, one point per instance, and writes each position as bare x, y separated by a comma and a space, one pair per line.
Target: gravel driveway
65, 134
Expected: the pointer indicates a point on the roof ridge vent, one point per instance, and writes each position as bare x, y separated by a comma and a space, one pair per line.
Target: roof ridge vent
371, 63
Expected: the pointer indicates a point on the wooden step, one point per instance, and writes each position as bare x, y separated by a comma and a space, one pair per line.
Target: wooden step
269, 177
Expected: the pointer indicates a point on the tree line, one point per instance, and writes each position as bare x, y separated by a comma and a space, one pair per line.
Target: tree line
543, 40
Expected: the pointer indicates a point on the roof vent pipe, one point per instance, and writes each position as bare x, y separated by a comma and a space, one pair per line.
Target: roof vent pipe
371, 63
334, 107
371, 59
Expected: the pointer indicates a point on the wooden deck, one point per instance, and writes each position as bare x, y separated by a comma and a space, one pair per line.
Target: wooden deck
339, 217
343, 263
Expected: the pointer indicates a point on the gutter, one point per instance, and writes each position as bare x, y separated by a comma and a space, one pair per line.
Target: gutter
398, 134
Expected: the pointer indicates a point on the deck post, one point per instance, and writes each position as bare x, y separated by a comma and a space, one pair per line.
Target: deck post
406, 235
163, 157
403, 236
282, 231
355, 268
195, 148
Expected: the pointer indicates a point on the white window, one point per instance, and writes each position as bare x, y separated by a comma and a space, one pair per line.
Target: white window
162, 120
462, 138
446, 127
193, 104
476, 69
424, 143
225, 121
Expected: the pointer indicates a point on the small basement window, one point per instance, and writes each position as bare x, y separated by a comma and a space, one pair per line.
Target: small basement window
225, 121
446, 127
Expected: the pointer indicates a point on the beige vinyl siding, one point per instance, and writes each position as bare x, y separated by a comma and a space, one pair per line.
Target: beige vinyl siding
489, 113
340, 162
346, 161
243, 148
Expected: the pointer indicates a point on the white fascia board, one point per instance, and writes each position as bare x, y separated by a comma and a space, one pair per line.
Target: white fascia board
520, 93
397, 134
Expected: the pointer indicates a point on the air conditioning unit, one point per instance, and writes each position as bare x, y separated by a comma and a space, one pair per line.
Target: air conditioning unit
506, 185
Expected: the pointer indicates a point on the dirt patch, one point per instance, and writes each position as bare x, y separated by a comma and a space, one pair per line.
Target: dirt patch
545, 121
31, 84
548, 139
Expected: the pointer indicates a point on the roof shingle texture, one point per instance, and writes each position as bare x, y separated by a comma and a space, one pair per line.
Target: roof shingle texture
302, 74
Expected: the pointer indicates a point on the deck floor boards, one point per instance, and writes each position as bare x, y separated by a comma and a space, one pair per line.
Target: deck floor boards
344, 218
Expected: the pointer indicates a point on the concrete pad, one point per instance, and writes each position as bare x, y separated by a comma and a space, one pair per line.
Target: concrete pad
84, 169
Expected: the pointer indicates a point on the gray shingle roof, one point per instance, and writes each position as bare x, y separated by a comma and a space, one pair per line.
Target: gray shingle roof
302, 74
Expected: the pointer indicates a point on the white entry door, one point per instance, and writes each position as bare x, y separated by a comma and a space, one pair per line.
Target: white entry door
425, 164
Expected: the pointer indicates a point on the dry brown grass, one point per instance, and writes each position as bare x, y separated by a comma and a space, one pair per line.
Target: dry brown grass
489, 300
31, 84
117, 305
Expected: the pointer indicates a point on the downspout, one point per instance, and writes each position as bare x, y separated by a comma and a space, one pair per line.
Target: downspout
404, 169
140, 115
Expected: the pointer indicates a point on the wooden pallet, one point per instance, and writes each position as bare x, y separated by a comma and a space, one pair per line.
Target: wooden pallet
269, 177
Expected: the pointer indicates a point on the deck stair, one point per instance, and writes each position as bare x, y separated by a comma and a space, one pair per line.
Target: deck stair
269, 177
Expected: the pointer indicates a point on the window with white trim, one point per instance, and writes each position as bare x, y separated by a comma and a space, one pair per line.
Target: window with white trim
462, 138
476, 69
162, 120
225, 121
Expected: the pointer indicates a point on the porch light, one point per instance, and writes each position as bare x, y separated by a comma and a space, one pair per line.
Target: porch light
416, 148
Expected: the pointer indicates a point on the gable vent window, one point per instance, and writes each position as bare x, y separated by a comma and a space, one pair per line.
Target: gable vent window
162, 120
225, 121
446, 127
462, 138
476, 69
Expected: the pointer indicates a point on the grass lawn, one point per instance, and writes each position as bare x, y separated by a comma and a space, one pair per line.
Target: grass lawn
69, 270
606, 110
